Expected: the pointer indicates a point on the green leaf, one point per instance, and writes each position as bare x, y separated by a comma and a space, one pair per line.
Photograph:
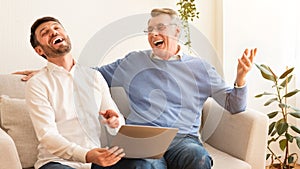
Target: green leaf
298, 141
267, 67
278, 86
296, 129
271, 127
286, 73
270, 101
265, 93
282, 105
286, 81
295, 108
280, 121
295, 114
289, 137
290, 159
273, 114
282, 144
273, 133
267, 156
291, 93
281, 128
259, 95
266, 72
270, 70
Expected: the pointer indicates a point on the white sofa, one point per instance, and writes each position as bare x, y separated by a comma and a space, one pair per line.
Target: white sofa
234, 141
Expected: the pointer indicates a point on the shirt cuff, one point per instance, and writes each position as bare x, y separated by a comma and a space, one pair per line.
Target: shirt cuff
80, 154
238, 87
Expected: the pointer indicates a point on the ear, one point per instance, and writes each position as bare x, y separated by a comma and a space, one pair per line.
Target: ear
39, 51
177, 34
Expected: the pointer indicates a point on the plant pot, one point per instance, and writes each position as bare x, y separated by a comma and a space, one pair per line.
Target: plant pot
277, 166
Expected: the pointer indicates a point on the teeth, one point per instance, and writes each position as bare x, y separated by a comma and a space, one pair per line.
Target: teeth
156, 43
58, 40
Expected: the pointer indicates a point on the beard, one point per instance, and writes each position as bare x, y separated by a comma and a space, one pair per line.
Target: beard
62, 50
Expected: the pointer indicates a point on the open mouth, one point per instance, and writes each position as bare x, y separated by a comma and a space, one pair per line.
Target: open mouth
57, 41
158, 42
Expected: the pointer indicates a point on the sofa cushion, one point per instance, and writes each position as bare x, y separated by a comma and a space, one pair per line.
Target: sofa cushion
226, 161
16, 122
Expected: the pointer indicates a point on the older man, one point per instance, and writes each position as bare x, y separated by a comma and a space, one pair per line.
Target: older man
168, 88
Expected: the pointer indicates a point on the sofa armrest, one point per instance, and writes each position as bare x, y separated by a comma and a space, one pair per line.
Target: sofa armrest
242, 135
9, 157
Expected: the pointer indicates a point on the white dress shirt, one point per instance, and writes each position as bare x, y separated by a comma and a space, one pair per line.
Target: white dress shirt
64, 108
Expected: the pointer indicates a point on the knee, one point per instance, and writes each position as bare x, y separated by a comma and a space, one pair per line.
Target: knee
198, 156
151, 164
132, 164
141, 164
158, 163
195, 151
204, 161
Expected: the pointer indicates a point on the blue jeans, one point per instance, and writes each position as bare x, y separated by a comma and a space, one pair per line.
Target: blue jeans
55, 165
187, 152
126, 163
122, 164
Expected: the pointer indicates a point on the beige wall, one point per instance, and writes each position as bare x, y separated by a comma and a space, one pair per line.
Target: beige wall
82, 19
269, 25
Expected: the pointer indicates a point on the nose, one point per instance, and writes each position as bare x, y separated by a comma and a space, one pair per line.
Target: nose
154, 32
53, 32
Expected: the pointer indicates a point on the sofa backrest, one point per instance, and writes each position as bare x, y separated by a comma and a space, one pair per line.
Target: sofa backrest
12, 86
121, 99
15, 120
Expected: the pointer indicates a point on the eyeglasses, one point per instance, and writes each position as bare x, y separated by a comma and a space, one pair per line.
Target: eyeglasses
159, 27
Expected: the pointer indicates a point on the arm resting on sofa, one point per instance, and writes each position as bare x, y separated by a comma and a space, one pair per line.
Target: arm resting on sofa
243, 135
9, 156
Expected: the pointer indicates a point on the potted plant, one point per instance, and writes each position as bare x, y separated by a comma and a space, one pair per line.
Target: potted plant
187, 12
281, 130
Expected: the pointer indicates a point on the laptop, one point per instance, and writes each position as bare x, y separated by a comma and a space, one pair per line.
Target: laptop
144, 141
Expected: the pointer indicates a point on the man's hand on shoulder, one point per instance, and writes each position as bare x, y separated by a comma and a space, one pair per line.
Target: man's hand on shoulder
28, 74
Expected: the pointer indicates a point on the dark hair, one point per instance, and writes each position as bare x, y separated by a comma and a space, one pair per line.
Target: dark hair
35, 25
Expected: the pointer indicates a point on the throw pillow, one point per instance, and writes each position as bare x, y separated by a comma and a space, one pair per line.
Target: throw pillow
16, 122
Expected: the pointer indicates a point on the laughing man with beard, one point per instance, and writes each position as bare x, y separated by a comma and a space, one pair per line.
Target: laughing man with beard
65, 103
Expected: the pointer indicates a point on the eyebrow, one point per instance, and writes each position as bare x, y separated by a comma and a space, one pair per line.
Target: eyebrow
55, 23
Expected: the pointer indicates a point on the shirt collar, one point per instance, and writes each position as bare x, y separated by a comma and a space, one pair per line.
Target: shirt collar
177, 56
53, 67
